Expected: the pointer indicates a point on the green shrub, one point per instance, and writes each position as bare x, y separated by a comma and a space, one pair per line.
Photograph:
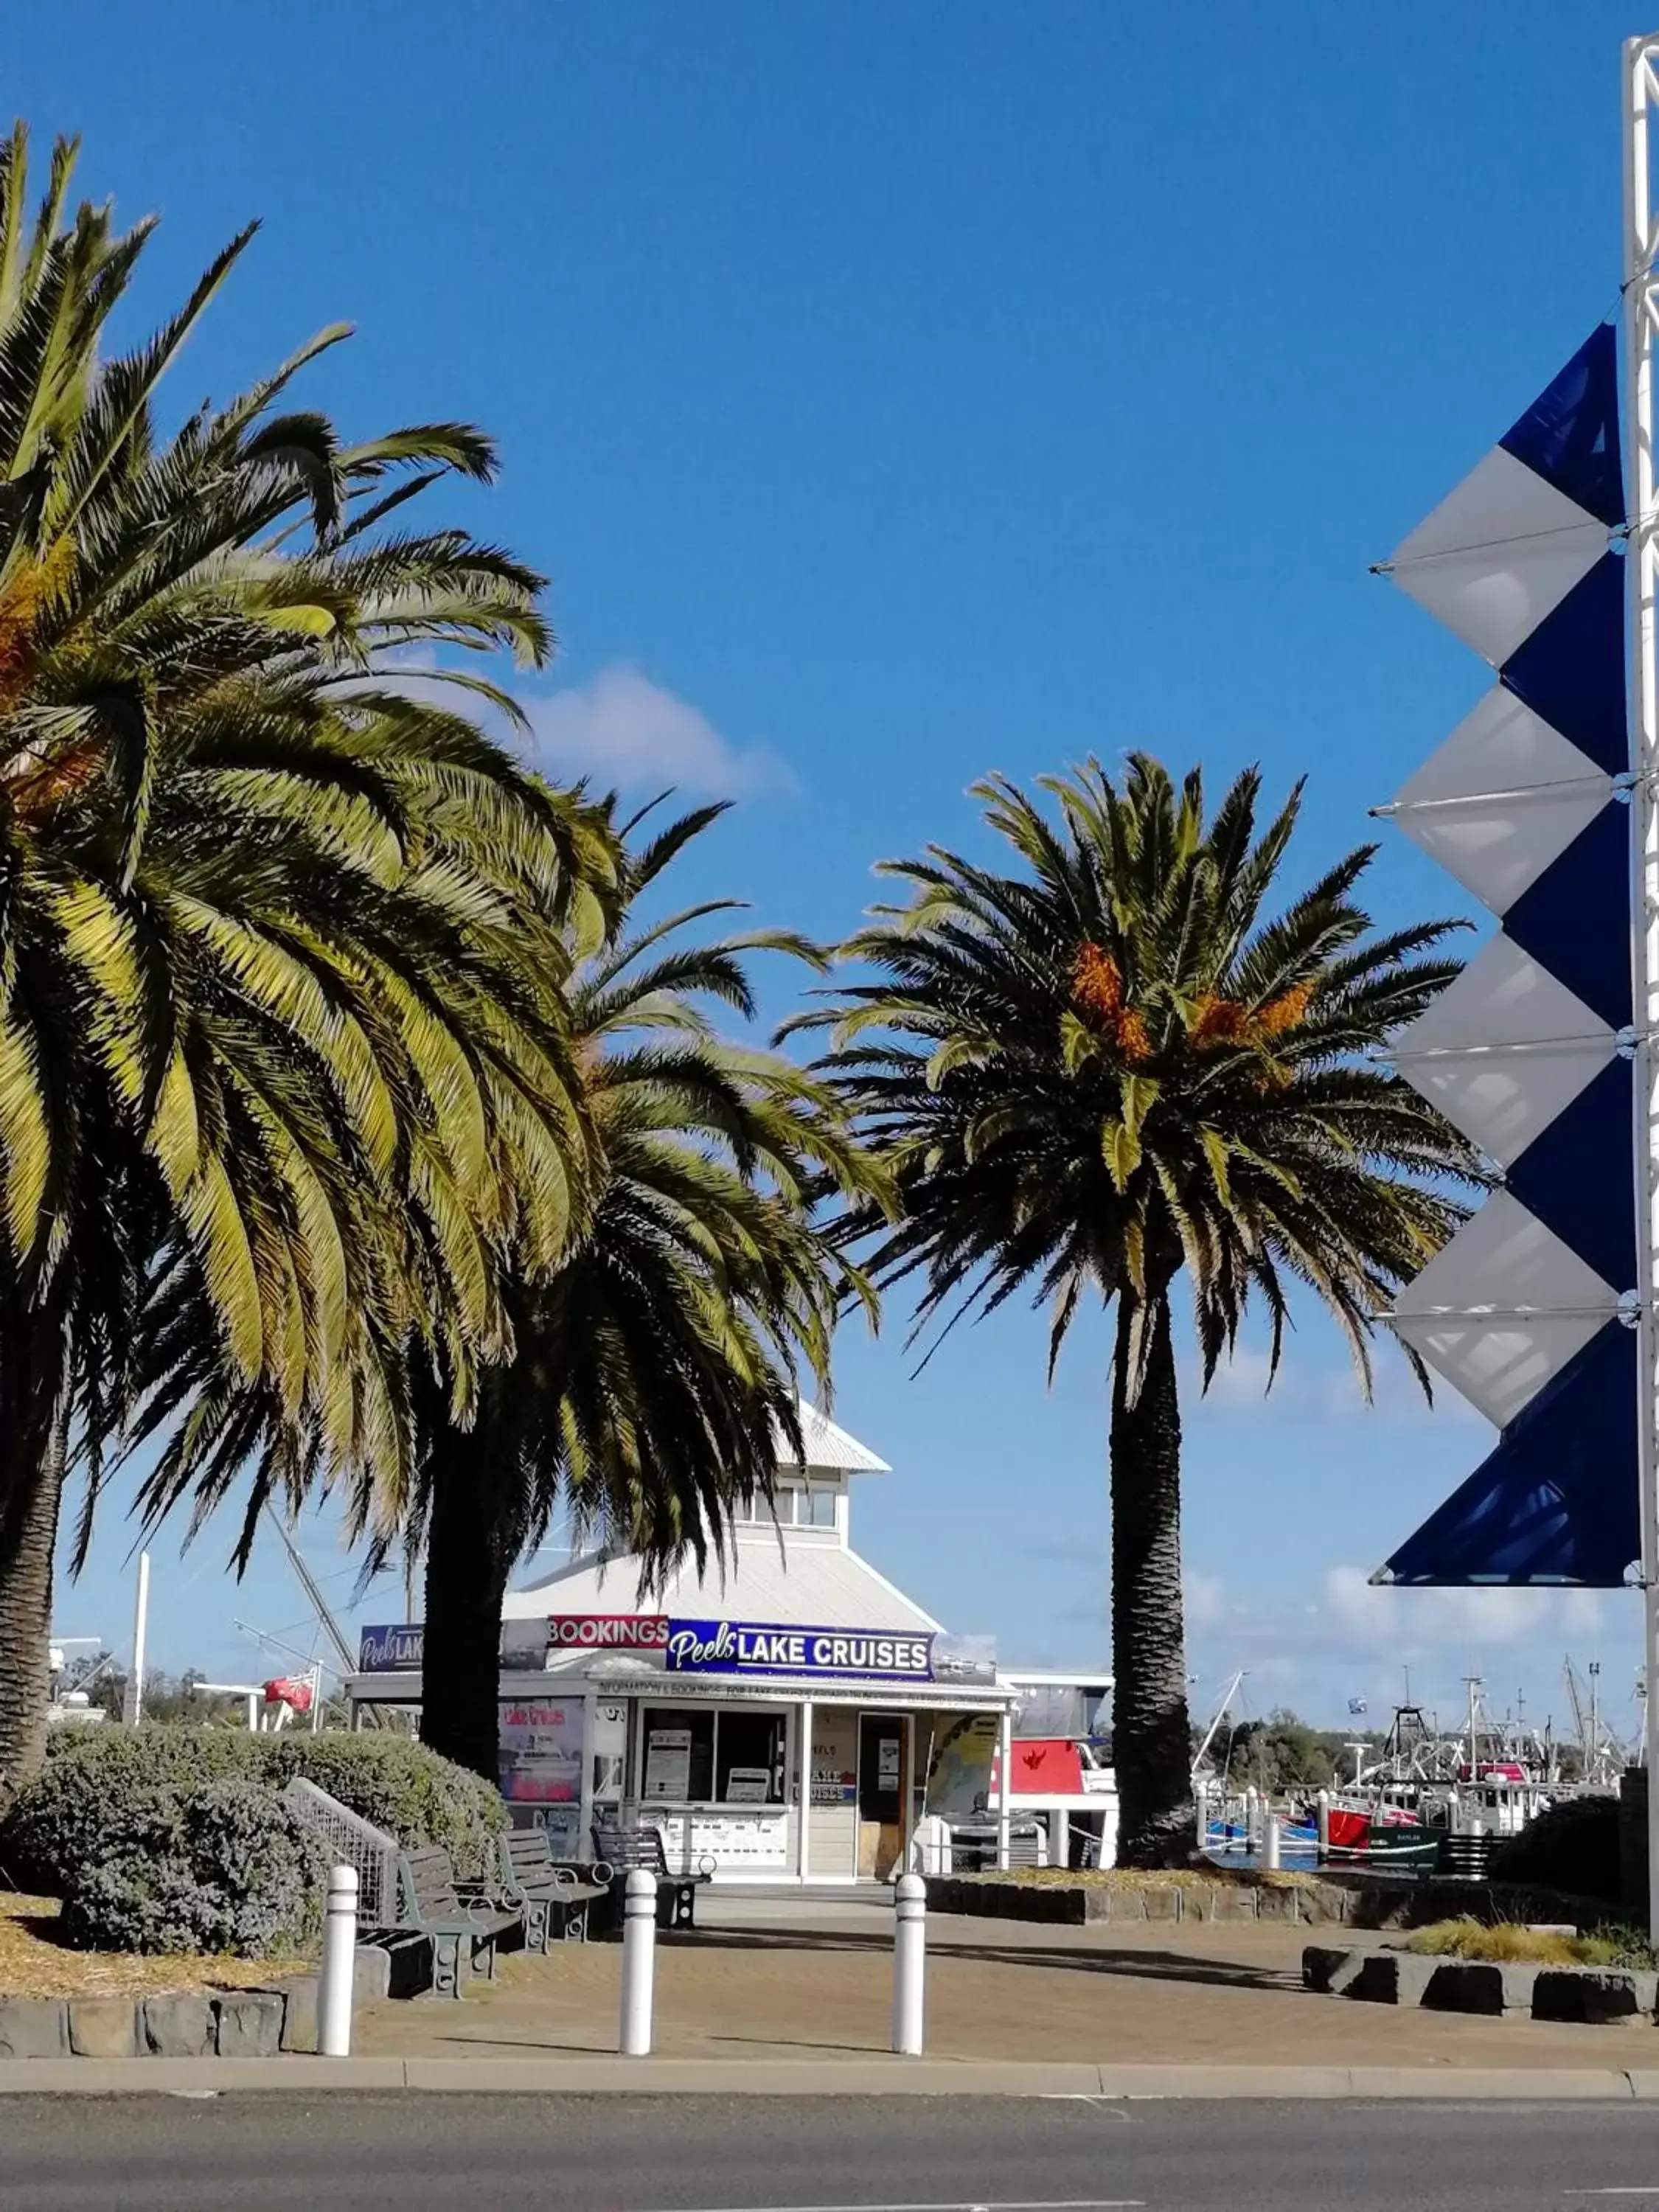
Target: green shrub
400, 1786
224, 1867
1615, 1946
96, 1789
98, 1784
1573, 1846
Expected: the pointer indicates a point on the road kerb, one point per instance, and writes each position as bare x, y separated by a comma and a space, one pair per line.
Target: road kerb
602, 2075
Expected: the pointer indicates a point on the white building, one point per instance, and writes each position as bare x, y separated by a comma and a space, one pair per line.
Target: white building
790, 1720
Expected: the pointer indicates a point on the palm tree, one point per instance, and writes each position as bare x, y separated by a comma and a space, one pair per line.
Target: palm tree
654, 1381
1109, 1067
284, 1058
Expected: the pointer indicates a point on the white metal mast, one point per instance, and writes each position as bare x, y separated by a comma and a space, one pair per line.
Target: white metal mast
1641, 294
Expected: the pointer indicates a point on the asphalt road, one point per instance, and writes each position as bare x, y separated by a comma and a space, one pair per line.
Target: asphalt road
698, 2153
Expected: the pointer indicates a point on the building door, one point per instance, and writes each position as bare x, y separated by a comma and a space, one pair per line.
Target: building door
881, 1793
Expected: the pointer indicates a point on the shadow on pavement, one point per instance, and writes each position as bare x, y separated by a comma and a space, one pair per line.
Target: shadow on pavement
1143, 1965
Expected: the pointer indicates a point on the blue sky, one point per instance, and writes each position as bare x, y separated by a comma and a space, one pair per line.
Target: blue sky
898, 392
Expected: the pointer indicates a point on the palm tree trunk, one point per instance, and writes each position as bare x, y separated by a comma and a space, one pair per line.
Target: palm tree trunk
32, 1455
469, 1556
1152, 1735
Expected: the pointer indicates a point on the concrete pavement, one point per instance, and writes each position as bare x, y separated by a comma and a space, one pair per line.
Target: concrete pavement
811, 1980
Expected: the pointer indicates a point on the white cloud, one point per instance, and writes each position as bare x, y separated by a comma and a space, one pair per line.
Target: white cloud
621, 728
1312, 1648
1425, 1619
1204, 1598
1241, 1380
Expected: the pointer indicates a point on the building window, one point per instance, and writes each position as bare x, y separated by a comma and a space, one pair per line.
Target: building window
748, 1758
816, 1508
679, 1755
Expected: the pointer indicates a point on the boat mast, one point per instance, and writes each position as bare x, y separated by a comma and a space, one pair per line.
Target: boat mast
1640, 89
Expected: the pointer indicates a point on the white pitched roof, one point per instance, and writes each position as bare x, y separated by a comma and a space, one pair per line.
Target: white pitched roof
830, 1447
799, 1584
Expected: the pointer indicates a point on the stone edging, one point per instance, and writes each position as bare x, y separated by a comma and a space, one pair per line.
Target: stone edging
1512, 1990
251, 2023
1313, 1904
1349, 1900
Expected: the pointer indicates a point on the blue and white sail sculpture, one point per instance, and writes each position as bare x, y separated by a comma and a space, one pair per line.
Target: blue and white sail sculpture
1526, 1310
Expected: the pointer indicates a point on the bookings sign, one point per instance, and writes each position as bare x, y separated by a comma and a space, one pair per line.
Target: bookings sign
607, 1631
742, 1647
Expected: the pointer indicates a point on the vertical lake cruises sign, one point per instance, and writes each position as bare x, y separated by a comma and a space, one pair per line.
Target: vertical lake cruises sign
1531, 1311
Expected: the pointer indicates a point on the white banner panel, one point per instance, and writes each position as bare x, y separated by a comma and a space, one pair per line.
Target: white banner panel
1503, 796
1503, 1307
1497, 554
1502, 1100
1503, 997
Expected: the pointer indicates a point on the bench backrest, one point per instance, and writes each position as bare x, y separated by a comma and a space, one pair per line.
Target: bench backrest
526, 1850
429, 1881
632, 1847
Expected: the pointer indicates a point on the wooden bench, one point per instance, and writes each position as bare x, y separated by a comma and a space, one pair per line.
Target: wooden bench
624, 1848
459, 1923
553, 1898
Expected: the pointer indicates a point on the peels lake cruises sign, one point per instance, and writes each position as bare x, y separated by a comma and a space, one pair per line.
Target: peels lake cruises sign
744, 1647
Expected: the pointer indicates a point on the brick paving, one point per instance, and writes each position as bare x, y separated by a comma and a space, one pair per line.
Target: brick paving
803, 1979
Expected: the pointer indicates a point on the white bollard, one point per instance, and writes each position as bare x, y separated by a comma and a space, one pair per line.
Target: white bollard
1272, 1853
1323, 1801
639, 1961
910, 1962
1252, 1817
339, 1964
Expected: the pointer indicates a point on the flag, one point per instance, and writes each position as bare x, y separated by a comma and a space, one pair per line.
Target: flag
1355, 1705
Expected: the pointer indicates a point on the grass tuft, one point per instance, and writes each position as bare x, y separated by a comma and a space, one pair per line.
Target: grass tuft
1466, 1938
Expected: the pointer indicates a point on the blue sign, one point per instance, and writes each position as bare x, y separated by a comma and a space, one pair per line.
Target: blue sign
746, 1647
391, 1650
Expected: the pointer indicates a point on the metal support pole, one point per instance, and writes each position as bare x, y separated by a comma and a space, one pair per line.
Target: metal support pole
803, 1853
909, 1963
339, 1964
135, 1698
639, 1962
1639, 242
1005, 1785
1323, 1803
1060, 1837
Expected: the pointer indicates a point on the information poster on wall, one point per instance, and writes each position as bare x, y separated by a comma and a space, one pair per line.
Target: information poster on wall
959, 1772
542, 1750
668, 1764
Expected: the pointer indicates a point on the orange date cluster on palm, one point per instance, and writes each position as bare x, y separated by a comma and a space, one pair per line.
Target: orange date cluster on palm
1215, 1022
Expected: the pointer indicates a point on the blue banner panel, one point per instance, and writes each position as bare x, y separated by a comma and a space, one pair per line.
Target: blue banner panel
1575, 919
1578, 1178
1570, 434
1570, 672
750, 1647
395, 1649
1556, 1501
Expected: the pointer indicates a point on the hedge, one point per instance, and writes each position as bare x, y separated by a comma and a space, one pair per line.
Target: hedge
400, 1786
96, 1793
1573, 1846
225, 1868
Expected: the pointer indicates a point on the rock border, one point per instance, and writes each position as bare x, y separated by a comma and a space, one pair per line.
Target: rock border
243, 2023
1325, 1899
1596, 1997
